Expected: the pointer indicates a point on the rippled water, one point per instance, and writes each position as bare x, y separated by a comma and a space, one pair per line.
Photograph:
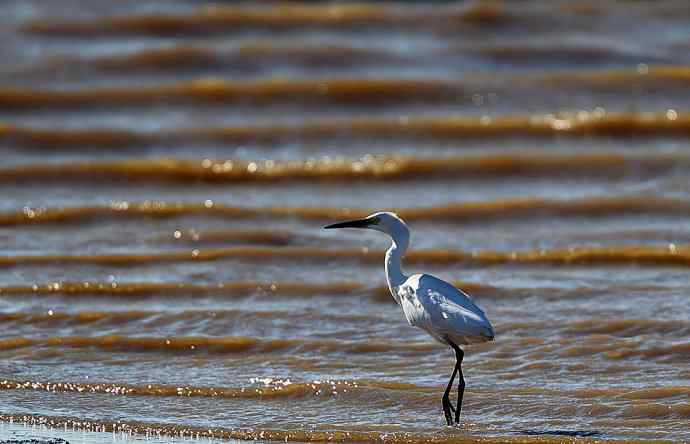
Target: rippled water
167, 169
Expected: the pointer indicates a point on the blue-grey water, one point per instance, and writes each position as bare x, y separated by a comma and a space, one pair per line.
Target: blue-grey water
167, 168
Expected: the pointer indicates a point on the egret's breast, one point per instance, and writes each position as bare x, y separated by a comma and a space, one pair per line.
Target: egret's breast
412, 308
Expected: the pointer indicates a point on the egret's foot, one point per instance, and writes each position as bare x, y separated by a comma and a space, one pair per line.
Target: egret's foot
454, 413
447, 409
449, 416
452, 423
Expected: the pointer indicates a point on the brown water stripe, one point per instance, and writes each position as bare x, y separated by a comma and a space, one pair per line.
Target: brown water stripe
142, 289
120, 318
85, 317
626, 255
595, 123
214, 345
510, 349
277, 389
613, 327
340, 91
236, 236
343, 436
287, 389
667, 353
582, 347
299, 289
617, 328
285, 17
245, 57
363, 91
473, 17
594, 345
606, 166
469, 212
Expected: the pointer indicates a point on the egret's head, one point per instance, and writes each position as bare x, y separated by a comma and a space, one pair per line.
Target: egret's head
384, 221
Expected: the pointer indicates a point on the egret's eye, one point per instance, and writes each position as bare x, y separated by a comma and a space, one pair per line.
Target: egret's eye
375, 220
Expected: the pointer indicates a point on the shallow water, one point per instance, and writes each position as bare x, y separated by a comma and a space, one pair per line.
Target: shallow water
167, 170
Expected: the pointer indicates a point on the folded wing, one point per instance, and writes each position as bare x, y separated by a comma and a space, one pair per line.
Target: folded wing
444, 311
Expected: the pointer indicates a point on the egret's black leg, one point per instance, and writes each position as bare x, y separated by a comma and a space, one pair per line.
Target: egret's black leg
459, 354
447, 407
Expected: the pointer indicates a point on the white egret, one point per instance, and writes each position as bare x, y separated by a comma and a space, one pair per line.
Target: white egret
449, 315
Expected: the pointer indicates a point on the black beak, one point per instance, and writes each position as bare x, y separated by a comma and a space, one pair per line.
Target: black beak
359, 223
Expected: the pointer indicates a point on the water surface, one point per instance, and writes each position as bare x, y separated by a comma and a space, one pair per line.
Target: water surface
167, 169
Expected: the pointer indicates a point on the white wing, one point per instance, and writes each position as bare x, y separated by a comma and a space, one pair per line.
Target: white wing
444, 311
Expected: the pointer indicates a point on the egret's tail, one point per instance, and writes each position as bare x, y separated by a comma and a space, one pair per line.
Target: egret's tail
488, 333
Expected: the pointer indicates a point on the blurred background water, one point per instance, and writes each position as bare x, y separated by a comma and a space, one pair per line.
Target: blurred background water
167, 168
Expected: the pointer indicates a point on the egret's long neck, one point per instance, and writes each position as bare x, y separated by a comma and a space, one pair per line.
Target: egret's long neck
394, 255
